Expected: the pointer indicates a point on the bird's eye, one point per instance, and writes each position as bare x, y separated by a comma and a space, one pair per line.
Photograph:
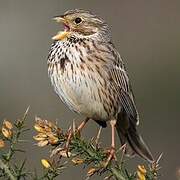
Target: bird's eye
77, 20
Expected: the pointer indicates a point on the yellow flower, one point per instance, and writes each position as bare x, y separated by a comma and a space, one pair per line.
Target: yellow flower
77, 161
40, 137
2, 144
141, 172
47, 128
140, 176
42, 143
48, 132
39, 128
7, 124
44, 126
53, 140
6, 132
45, 163
91, 171
64, 153
142, 169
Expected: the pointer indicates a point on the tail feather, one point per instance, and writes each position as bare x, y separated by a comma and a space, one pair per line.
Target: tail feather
127, 132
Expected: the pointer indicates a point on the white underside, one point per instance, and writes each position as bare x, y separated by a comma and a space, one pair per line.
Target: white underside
78, 97
75, 94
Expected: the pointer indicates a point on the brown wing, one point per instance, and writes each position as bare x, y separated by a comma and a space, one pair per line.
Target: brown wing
127, 118
120, 81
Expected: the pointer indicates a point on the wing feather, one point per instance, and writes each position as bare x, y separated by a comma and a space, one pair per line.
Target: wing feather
120, 81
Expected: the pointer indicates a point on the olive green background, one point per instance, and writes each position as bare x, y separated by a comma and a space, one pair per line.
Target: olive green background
147, 34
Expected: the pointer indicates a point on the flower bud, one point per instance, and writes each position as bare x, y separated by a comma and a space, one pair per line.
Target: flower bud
140, 176
77, 161
91, 172
142, 169
2, 144
45, 163
141, 173
6, 132
40, 137
64, 153
53, 140
42, 143
38, 128
7, 124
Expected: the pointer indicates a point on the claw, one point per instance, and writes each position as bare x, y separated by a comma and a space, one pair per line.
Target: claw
111, 156
123, 150
71, 131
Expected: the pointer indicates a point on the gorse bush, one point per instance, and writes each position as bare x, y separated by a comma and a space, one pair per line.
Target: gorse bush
79, 152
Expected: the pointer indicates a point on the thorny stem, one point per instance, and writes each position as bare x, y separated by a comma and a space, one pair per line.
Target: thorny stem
116, 173
6, 169
15, 139
5, 165
88, 152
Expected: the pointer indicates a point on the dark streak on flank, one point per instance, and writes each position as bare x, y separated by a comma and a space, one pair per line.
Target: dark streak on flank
82, 60
89, 59
82, 67
63, 62
72, 67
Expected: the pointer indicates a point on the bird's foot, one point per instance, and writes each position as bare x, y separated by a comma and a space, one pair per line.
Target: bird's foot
60, 152
72, 131
63, 150
111, 155
95, 139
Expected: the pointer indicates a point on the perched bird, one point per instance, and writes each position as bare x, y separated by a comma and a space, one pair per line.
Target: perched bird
90, 77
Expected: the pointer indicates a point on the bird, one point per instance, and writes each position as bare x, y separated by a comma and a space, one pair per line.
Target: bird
90, 77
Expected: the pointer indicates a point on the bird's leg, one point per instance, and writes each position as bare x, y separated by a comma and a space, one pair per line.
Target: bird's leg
77, 131
82, 125
112, 149
69, 136
72, 132
98, 137
60, 149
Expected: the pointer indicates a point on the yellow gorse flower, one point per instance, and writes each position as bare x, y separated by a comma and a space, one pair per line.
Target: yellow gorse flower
53, 140
7, 124
141, 172
2, 144
77, 161
42, 143
47, 132
45, 163
40, 137
7, 129
38, 128
64, 153
6, 132
91, 171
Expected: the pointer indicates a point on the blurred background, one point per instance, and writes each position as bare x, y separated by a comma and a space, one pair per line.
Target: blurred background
147, 34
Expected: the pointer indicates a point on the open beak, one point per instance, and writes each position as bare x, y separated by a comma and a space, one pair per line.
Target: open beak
59, 19
61, 34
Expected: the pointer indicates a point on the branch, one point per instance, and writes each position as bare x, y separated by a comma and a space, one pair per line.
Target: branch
85, 152
88, 153
6, 169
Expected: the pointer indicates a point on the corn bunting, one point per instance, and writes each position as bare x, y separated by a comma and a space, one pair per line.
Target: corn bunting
90, 77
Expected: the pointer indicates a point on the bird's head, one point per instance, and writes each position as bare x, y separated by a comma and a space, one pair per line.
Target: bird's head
80, 23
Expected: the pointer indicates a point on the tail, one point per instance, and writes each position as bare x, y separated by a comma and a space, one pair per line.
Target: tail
126, 128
